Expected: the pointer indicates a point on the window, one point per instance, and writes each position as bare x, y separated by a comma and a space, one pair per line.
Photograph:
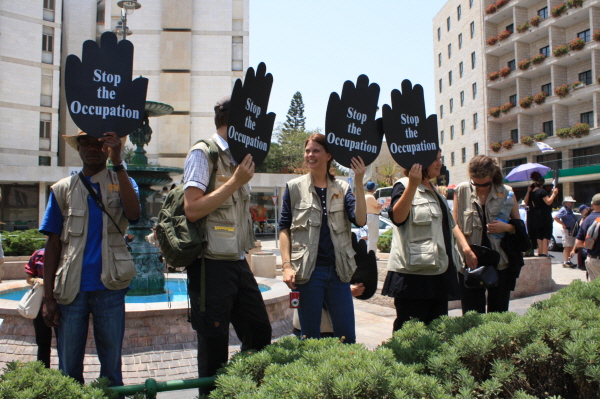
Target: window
237, 53
513, 163
586, 77
514, 135
474, 90
48, 10
452, 159
439, 34
462, 98
548, 128
449, 78
458, 13
476, 149
44, 161
440, 59
463, 127
585, 35
543, 12
451, 105
550, 159
472, 29
512, 65
586, 156
510, 28
46, 94
475, 121
448, 24
441, 111
470, 3
45, 125
442, 137
460, 41
47, 44
547, 88
452, 132
545, 51
473, 59
440, 84
449, 50
460, 69
463, 154
587, 117
513, 99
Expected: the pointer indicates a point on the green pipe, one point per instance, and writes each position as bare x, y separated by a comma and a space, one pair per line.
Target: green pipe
151, 387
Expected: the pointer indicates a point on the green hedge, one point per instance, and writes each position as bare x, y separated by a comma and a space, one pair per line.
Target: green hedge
22, 243
384, 243
553, 351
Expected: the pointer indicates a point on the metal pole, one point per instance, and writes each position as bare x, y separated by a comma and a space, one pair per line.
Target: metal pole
276, 220
124, 22
151, 387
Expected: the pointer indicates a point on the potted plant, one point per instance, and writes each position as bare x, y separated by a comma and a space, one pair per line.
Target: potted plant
490, 9
496, 146
535, 21
564, 132
508, 144
504, 72
525, 64
558, 10
537, 59
493, 76
576, 85
501, 3
526, 102
540, 136
580, 129
527, 140
562, 91
560, 50
540, 97
598, 79
596, 35
504, 34
491, 40
505, 108
575, 3
523, 27
577, 44
495, 112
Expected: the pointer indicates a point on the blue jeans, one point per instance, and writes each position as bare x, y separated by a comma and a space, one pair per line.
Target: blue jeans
107, 308
325, 287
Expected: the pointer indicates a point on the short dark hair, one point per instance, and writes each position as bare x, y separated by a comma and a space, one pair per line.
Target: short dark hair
537, 179
320, 139
222, 112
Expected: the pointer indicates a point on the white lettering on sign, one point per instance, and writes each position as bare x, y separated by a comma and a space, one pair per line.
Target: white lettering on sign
250, 106
351, 144
102, 76
104, 111
412, 148
246, 140
354, 114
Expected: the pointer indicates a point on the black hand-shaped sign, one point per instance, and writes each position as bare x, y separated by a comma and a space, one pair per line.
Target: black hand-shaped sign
350, 126
100, 93
366, 268
250, 127
411, 137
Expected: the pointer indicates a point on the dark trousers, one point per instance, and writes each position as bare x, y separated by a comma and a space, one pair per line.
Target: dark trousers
232, 296
497, 297
43, 339
426, 310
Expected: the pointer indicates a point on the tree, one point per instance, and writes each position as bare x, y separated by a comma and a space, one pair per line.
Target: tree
287, 155
295, 117
388, 173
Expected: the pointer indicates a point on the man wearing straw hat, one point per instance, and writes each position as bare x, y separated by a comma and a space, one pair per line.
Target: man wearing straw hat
567, 219
87, 267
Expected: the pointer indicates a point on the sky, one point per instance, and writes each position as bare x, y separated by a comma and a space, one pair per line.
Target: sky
314, 46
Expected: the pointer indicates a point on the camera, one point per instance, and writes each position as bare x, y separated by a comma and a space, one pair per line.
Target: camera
294, 299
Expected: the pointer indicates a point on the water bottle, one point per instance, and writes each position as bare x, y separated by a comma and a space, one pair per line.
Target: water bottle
504, 215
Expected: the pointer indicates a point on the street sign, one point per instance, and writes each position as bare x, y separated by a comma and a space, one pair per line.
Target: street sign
274, 199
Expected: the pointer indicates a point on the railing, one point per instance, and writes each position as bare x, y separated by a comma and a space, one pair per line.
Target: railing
573, 162
151, 387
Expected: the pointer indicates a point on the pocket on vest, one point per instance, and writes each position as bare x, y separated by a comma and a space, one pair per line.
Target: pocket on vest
467, 225
422, 255
337, 216
124, 268
222, 237
302, 217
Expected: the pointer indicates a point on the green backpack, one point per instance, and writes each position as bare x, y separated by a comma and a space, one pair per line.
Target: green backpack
182, 241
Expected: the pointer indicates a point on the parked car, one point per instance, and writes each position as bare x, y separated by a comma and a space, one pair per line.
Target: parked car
384, 197
555, 243
385, 224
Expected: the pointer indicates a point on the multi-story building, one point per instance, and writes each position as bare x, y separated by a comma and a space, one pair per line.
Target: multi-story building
569, 63
459, 84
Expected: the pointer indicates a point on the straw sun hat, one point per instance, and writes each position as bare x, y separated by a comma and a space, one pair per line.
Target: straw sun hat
72, 140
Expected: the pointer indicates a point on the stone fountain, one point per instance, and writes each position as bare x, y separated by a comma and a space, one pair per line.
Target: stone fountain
150, 279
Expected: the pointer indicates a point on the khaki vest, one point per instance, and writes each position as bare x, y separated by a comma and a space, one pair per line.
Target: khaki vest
229, 231
468, 216
117, 263
418, 245
306, 227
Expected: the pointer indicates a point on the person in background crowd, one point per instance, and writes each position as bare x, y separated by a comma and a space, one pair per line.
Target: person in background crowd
523, 213
581, 252
316, 240
423, 259
373, 210
43, 334
567, 219
592, 263
541, 222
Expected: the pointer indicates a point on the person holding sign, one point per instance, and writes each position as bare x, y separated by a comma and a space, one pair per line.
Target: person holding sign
316, 240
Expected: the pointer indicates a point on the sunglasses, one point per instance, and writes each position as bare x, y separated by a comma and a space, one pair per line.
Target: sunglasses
488, 184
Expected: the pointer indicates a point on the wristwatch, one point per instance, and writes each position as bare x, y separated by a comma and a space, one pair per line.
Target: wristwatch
119, 167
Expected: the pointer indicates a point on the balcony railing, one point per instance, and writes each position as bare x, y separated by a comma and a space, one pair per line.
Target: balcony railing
572, 162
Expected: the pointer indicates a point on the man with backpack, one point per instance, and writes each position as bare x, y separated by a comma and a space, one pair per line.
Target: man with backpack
222, 288
588, 237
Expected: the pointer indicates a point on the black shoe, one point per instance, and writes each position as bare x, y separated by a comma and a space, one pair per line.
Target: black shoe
550, 256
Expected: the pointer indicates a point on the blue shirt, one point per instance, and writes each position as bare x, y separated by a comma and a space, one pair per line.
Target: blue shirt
92, 255
583, 231
566, 216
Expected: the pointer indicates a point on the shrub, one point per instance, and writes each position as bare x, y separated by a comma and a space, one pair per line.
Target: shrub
564, 132
33, 381
560, 50
504, 34
598, 79
558, 10
496, 146
535, 21
495, 112
22, 243
523, 27
596, 35
494, 75
384, 242
538, 59
502, 3
526, 102
575, 3
506, 107
490, 9
576, 85
525, 64
527, 140
504, 72
580, 129
540, 137
491, 40
577, 44
562, 91
540, 97
508, 144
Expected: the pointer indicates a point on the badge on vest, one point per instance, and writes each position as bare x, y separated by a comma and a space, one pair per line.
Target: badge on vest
225, 228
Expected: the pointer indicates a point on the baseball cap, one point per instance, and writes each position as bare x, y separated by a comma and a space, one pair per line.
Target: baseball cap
371, 186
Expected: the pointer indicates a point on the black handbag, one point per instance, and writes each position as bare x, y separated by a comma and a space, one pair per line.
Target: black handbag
486, 275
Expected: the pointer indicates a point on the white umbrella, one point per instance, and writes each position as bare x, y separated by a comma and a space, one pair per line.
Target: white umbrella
523, 172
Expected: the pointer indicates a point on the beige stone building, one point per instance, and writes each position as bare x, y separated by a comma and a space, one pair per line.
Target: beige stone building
459, 84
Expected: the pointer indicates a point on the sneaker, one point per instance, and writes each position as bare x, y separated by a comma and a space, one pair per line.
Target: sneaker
566, 265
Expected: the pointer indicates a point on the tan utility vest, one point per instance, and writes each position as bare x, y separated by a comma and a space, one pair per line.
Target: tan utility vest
229, 231
468, 216
117, 263
418, 245
306, 227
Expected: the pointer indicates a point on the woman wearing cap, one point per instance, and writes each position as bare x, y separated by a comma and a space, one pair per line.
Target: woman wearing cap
476, 207
541, 228
567, 219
